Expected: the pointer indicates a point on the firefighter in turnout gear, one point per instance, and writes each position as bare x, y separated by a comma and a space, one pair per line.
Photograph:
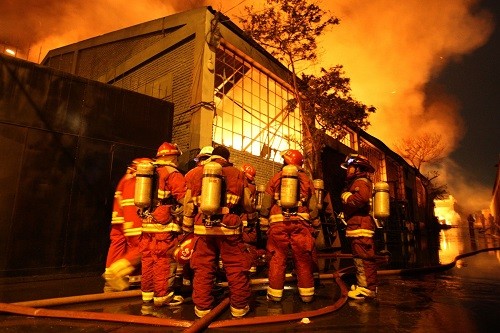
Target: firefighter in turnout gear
290, 206
184, 268
200, 159
360, 224
217, 195
161, 227
124, 257
250, 221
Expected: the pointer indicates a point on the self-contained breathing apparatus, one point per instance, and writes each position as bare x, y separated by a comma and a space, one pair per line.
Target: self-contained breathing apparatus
211, 192
213, 203
146, 179
379, 205
145, 195
289, 195
289, 190
319, 190
259, 196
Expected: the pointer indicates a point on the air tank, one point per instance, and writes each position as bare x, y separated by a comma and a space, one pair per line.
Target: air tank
319, 189
289, 186
259, 196
144, 185
211, 188
381, 201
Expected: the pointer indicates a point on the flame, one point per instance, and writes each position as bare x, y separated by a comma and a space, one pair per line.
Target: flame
445, 211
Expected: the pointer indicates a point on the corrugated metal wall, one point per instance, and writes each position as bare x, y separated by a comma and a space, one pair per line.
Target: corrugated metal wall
177, 62
65, 142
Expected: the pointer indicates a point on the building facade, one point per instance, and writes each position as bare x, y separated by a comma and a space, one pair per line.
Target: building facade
65, 142
226, 89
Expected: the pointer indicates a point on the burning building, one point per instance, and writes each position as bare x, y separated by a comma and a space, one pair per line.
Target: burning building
227, 89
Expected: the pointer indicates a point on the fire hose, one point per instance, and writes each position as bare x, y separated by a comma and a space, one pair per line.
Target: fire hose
27, 308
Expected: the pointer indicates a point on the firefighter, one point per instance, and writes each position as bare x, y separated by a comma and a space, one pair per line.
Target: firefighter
124, 253
360, 224
184, 267
202, 156
250, 221
290, 206
217, 195
161, 227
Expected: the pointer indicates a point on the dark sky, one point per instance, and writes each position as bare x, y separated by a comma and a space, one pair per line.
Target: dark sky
475, 79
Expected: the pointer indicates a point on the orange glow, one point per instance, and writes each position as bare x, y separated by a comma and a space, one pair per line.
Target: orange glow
389, 55
445, 211
449, 247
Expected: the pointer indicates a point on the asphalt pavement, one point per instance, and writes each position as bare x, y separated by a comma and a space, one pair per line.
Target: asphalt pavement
460, 295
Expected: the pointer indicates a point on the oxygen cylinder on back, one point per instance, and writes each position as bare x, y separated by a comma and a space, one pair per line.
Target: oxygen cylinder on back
259, 196
381, 202
211, 188
289, 186
319, 188
144, 185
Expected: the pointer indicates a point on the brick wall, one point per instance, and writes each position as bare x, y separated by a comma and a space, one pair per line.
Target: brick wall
265, 168
180, 63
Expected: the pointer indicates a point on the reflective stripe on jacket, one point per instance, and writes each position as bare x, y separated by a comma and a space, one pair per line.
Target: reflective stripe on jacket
117, 214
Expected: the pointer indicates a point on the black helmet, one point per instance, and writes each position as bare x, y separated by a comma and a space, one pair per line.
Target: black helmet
359, 161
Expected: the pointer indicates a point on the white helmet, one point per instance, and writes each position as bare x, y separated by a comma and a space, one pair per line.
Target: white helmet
204, 152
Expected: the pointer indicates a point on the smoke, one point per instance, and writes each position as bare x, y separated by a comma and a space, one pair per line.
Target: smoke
390, 50
468, 192
34, 27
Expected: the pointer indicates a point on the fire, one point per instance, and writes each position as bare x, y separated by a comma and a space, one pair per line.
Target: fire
445, 211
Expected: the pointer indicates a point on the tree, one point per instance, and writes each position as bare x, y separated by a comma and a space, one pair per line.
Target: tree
288, 29
420, 151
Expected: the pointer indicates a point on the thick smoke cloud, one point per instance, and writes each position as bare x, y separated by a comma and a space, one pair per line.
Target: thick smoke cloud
33, 27
391, 50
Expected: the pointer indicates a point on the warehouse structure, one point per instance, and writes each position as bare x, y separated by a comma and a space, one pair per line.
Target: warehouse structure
226, 89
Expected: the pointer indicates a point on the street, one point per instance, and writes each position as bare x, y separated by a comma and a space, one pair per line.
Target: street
458, 296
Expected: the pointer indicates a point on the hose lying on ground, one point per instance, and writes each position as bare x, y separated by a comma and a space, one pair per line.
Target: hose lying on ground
23, 308
114, 317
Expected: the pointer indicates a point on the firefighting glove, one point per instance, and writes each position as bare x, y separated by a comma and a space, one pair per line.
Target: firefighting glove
177, 214
316, 223
344, 196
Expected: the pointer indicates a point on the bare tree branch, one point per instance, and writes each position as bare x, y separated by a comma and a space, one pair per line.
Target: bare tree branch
288, 29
